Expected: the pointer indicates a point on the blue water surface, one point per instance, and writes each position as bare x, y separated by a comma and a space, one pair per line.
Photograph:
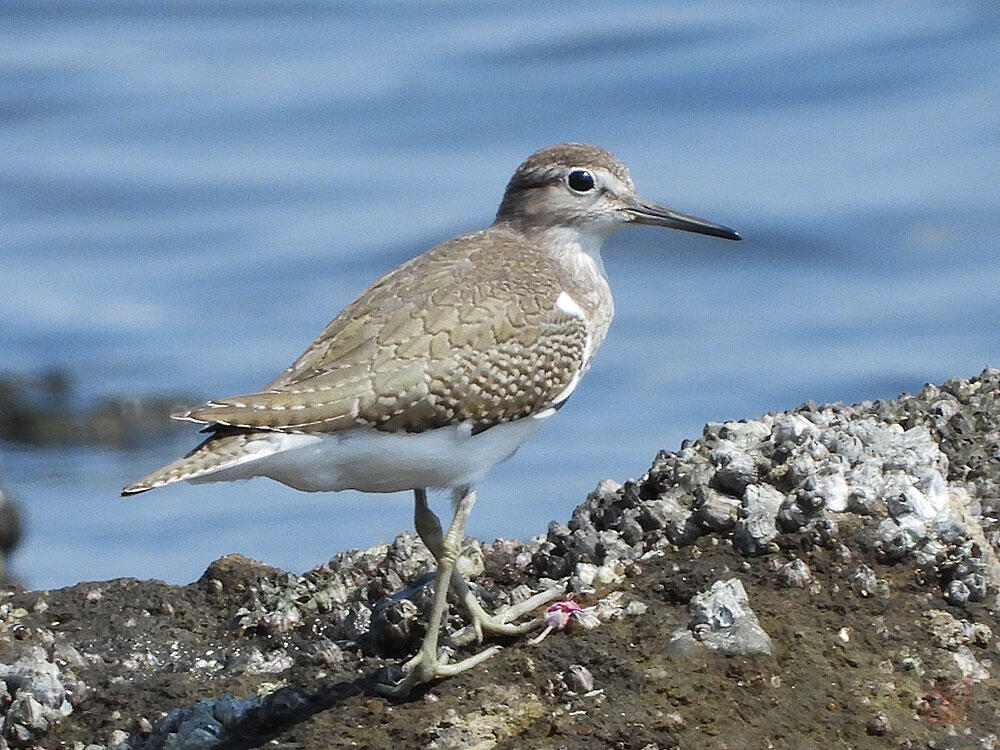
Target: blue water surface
189, 191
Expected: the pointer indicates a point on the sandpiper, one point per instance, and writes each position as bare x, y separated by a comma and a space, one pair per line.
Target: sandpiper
442, 368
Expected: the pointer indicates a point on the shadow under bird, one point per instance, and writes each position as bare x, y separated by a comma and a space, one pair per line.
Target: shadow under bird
442, 368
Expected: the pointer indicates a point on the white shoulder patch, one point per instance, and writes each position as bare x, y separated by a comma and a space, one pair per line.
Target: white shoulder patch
570, 306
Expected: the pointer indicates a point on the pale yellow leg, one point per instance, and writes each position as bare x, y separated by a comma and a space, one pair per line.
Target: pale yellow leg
426, 664
481, 622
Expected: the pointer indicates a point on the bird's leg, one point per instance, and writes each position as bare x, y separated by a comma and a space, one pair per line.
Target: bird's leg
427, 524
426, 665
429, 528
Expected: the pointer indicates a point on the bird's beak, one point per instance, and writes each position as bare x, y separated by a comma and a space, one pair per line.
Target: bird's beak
646, 212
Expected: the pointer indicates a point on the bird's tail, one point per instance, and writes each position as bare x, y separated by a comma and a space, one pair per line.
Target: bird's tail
216, 454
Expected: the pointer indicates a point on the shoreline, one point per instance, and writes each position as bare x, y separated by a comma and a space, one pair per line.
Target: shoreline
826, 572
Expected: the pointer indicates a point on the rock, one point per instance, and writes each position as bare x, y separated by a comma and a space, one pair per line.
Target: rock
682, 528
892, 542
716, 511
39, 695
578, 679
25, 713
794, 429
721, 620
736, 469
44, 409
827, 491
756, 527
395, 626
951, 633
64, 654
957, 593
863, 581
841, 504
862, 501
794, 574
878, 725
790, 516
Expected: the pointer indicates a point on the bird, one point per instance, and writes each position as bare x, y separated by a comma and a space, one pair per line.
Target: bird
442, 369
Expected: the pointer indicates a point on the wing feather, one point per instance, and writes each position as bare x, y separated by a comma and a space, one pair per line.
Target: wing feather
429, 344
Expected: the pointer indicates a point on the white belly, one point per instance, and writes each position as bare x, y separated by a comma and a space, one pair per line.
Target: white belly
372, 461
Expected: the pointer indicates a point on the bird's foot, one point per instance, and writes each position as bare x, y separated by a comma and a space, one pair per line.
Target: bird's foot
427, 666
482, 623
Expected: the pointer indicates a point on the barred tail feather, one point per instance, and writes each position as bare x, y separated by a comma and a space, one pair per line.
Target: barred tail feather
216, 454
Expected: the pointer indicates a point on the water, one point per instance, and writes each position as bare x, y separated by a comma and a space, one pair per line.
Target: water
190, 191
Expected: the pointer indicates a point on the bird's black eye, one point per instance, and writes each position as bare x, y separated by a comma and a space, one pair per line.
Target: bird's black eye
580, 180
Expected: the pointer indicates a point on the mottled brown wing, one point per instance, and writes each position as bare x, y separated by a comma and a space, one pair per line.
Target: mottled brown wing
457, 334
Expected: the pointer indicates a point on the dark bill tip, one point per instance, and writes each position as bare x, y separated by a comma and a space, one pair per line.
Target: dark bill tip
656, 215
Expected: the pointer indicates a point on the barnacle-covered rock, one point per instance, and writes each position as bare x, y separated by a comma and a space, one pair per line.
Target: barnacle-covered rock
736, 469
716, 511
794, 574
756, 528
914, 480
39, 697
721, 620
395, 626
578, 679
863, 581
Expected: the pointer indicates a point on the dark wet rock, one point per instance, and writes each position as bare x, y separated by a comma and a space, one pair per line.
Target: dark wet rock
11, 530
790, 516
214, 723
396, 626
44, 409
736, 469
865, 535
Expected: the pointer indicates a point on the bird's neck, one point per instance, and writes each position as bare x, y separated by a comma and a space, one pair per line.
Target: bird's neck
577, 252
574, 247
